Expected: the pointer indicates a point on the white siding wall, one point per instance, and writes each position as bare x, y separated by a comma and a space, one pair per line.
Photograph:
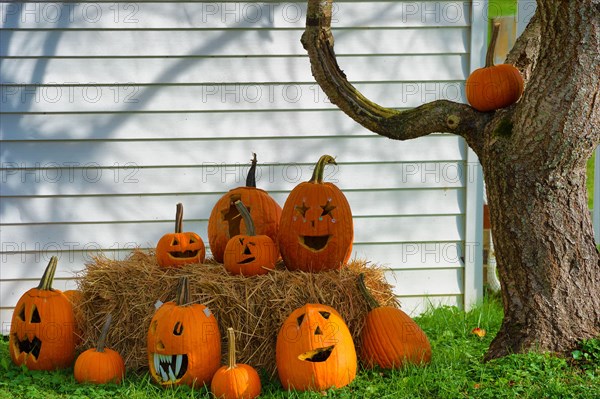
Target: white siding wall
114, 112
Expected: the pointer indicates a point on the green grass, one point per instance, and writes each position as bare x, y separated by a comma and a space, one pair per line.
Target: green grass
456, 371
501, 8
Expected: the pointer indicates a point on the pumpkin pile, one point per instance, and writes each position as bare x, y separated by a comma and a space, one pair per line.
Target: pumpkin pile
281, 278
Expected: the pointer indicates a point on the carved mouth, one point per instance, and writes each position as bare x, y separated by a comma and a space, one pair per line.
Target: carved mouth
170, 368
314, 243
247, 260
184, 254
318, 355
32, 347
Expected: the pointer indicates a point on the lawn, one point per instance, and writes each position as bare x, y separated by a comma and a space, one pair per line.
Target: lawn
456, 371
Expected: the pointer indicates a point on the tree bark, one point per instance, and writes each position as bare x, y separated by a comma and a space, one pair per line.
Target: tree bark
533, 155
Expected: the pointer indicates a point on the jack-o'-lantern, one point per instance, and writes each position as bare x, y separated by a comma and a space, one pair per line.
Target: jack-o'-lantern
184, 343
75, 297
42, 328
178, 249
249, 254
390, 338
315, 230
225, 220
315, 350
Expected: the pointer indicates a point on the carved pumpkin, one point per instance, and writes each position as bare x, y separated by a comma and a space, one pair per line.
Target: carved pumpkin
316, 231
178, 249
315, 350
225, 220
493, 86
235, 380
100, 365
184, 343
42, 328
249, 254
390, 338
75, 297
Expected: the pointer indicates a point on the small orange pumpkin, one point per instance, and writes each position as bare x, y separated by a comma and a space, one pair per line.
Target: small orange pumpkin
225, 221
494, 86
178, 249
236, 380
315, 350
249, 254
42, 330
184, 343
100, 365
390, 338
316, 231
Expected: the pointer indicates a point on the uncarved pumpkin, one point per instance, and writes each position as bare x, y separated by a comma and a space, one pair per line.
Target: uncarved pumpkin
249, 254
100, 365
316, 230
315, 350
235, 380
225, 220
179, 248
494, 86
184, 343
42, 330
390, 338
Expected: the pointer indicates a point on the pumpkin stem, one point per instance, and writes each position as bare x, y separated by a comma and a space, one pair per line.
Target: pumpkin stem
319, 171
103, 334
231, 342
251, 178
489, 55
372, 302
182, 297
48, 277
179, 218
250, 229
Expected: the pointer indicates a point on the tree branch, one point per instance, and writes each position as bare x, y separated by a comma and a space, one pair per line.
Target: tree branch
437, 116
525, 52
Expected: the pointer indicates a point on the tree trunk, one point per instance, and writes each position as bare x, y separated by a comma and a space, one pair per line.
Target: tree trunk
534, 156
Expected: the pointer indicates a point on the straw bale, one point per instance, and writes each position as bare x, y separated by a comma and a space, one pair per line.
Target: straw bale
255, 306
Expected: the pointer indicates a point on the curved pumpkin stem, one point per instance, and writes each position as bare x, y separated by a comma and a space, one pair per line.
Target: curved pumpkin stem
365, 291
182, 297
179, 218
250, 229
489, 55
48, 276
103, 334
318, 173
251, 178
231, 351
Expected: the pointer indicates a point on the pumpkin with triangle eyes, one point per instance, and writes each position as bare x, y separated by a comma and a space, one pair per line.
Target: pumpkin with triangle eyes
249, 254
315, 229
315, 350
42, 330
183, 342
180, 248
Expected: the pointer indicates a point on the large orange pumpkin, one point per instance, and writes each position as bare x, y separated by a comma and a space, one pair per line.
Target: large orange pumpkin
315, 350
184, 343
249, 254
390, 338
42, 329
100, 365
316, 231
179, 248
493, 86
225, 220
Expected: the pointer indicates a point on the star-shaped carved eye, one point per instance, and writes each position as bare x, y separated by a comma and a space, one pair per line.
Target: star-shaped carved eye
327, 208
302, 209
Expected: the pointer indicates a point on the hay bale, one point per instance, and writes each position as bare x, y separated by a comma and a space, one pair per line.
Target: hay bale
255, 307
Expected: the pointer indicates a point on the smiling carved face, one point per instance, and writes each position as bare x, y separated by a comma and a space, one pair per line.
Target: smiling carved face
315, 350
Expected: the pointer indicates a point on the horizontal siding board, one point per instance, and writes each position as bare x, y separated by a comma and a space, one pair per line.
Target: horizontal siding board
414, 306
219, 15
31, 210
444, 281
173, 70
146, 234
171, 43
215, 97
